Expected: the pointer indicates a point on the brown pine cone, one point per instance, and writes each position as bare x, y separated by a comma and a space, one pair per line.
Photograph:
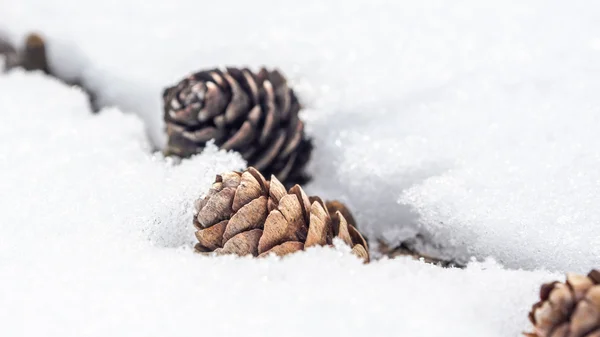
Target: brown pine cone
570, 309
245, 214
254, 114
34, 54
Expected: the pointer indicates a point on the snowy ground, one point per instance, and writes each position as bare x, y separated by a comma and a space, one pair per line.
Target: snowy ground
471, 123
96, 241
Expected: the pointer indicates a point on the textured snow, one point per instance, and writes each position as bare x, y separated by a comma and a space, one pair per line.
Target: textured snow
95, 240
470, 124
462, 110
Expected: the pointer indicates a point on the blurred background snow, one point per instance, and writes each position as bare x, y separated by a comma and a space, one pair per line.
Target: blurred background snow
470, 124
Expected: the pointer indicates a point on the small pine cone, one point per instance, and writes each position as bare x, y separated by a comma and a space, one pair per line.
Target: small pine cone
245, 214
254, 114
9, 54
570, 309
34, 54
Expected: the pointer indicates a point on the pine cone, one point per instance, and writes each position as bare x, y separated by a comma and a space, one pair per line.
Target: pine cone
34, 54
9, 54
570, 309
407, 249
245, 214
254, 114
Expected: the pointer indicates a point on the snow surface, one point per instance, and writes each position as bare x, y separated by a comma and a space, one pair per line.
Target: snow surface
95, 241
468, 123
471, 125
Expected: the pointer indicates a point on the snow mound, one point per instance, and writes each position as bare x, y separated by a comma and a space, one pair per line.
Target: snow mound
483, 170
89, 224
60, 161
468, 124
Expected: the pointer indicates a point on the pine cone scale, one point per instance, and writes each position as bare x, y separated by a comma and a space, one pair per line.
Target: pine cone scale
586, 318
211, 238
292, 211
286, 171
276, 192
264, 159
217, 208
203, 135
247, 217
247, 83
215, 103
319, 231
356, 236
293, 140
361, 252
241, 138
284, 249
594, 275
579, 285
561, 331
270, 114
240, 102
304, 202
277, 230
245, 243
248, 190
343, 232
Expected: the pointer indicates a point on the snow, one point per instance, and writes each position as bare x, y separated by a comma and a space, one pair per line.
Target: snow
471, 122
95, 240
467, 126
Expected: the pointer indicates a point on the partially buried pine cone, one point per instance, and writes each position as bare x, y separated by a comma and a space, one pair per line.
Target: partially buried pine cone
34, 54
8, 55
31, 57
570, 309
244, 214
255, 114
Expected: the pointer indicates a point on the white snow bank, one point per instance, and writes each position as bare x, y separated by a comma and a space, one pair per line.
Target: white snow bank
469, 122
88, 216
484, 170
